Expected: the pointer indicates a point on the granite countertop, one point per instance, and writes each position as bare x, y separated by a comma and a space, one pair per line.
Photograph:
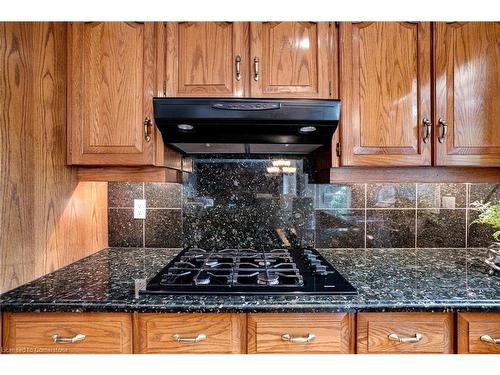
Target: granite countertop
387, 280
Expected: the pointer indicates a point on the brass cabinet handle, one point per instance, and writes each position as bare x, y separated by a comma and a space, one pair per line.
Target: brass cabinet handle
60, 340
147, 124
256, 68
395, 337
237, 62
427, 129
200, 337
489, 339
444, 129
303, 340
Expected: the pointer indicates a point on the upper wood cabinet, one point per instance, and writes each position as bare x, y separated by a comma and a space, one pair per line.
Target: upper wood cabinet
258, 59
290, 59
111, 81
206, 59
467, 73
386, 93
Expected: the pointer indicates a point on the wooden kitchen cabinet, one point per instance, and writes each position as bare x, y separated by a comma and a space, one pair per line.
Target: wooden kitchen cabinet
300, 333
467, 75
73, 333
385, 88
405, 333
190, 333
206, 59
291, 59
478, 333
111, 83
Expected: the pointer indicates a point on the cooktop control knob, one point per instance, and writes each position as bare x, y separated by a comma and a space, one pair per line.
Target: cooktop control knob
320, 269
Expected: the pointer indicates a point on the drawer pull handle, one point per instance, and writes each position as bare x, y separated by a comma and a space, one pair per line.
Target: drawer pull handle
303, 340
489, 339
200, 337
60, 340
395, 337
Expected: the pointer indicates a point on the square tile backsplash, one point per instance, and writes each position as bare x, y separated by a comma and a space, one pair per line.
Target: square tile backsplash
236, 203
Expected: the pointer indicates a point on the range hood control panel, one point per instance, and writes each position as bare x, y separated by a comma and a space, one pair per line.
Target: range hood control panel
250, 106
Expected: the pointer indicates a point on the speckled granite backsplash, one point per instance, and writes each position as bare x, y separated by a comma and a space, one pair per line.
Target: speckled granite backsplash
237, 203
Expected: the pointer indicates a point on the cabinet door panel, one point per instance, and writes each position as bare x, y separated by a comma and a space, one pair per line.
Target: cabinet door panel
405, 333
292, 59
33, 333
111, 82
467, 88
385, 93
478, 333
201, 59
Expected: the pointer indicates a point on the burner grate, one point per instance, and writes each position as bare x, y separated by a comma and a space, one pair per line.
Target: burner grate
249, 271
231, 267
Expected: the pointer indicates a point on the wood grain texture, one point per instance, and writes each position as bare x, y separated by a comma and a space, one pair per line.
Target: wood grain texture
225, 333
385, 93
334, 333
106, 333
200, 59
411, 174
467, 74
129, 174
294, 59
48, 219
471, 326
373, 330
111, 83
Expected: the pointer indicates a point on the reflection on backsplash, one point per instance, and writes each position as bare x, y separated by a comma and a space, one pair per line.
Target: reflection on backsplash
238, 203
249, 207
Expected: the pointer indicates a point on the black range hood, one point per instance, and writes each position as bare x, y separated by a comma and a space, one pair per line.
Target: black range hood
257, 126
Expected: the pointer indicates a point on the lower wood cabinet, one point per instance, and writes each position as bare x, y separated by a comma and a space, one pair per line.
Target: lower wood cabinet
255, 333
478, 333
405, 333
300, 333
72, 333
190, 333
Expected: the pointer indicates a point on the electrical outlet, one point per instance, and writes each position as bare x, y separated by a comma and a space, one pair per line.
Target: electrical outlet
448, 202
139, 208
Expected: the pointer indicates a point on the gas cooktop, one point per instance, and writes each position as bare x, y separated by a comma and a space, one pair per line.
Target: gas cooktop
248, 272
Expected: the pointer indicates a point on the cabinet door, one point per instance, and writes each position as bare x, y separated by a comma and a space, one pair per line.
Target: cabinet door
385, 93
290, 59
67, 333
206, 59
467, 72
111, 79
405, 333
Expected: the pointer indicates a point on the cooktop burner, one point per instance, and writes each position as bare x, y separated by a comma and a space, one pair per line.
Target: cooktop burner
249, 271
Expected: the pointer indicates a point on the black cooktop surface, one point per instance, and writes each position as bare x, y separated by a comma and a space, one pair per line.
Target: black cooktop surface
249, 271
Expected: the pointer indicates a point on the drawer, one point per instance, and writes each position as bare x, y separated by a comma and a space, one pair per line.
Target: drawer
479, 333
405, 333
190, 333
77, 333
300, 333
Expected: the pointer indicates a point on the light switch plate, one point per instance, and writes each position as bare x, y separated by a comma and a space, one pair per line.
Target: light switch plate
139, 208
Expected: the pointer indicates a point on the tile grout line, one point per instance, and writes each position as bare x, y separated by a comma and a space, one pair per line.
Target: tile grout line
366, 213
147, 208
466, 215
385, 208
144, 220
416, 215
